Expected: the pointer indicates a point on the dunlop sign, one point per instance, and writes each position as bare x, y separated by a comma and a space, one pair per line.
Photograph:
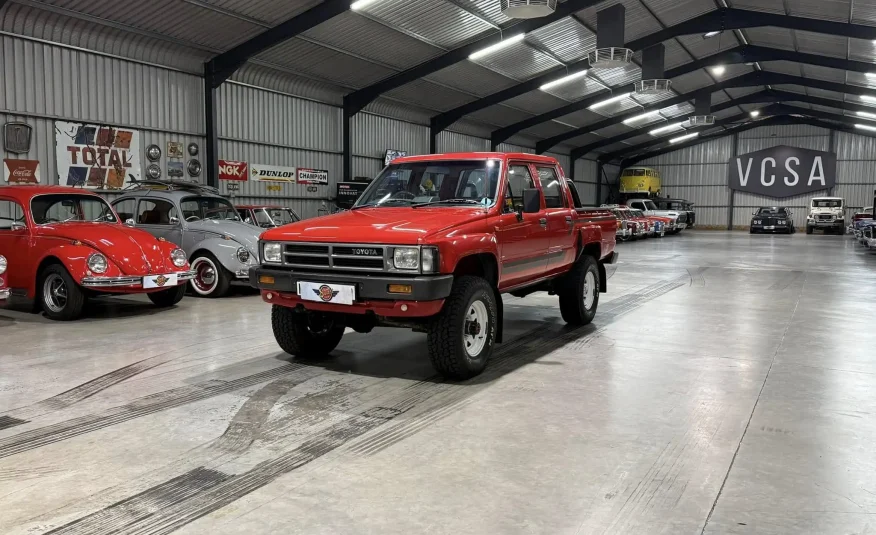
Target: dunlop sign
783, 171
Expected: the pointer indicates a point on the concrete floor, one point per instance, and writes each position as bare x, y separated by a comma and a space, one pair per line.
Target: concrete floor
727, 386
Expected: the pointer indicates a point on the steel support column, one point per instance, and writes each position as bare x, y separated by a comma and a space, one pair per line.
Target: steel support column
731, 199
347, 143
600, 170
211, 150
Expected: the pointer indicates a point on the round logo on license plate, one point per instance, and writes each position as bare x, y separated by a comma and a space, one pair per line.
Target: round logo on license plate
326, 293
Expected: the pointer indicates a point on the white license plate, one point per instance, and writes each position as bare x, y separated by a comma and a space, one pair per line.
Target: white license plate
769, 227
341, 294
160, 281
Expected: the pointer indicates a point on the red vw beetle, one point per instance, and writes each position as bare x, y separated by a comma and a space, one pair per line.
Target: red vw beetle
68, 245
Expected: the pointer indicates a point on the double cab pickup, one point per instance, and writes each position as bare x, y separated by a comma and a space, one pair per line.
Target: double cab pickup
431, 245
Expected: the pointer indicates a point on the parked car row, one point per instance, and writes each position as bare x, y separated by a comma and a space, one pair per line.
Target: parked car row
60, 246
633, 224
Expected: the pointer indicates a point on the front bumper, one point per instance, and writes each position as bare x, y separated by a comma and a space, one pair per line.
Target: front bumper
368, 287
4, 294
833, 223
770, 228
126, 281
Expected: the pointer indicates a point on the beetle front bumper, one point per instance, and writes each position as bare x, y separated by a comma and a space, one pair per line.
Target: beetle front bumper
126, 281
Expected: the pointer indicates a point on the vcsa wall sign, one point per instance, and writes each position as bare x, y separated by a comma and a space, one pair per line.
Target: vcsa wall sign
783, 171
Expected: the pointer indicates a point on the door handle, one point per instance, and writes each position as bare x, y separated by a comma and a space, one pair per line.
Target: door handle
569, 219
543, 221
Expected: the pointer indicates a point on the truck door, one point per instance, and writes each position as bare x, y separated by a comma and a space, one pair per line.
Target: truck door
523, 240
560, 218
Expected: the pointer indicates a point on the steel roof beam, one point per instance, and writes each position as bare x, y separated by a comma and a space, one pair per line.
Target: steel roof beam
361, 98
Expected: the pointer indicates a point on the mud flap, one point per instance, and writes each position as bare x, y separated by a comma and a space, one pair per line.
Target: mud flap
500, 320
603, 278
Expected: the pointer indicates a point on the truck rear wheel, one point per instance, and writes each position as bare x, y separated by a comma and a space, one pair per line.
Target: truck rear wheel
305, 335
461, 337
579, 292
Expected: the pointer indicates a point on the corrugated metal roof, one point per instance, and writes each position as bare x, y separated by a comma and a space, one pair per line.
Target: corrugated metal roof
691, 81
584, 139
862, 50
488, 8
581, 118
566, 38
823, 44
767, 6
700, 47
677, 109
499, 115
354, 33
837, 10
519, 61
783, 67
770, 36
441, 23
674, 55
429, 95
325, 64
472, 78
545, 130
577, 89
535, 102
638, 21
864, 13
615, 108
821, 93
861, 79
738, 92
619, 76
674, 11
272, 12
824, 73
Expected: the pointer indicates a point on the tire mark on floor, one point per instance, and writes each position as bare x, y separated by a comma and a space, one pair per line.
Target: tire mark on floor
696, 276
787, 280
146, 405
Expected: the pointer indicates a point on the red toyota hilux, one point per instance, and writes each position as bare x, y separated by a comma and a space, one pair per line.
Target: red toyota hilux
431, 245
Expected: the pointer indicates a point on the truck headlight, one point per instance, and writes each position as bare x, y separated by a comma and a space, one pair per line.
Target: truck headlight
242, 255
272, 252
406, 258
3, 264
429, 260
97, 263
178, 257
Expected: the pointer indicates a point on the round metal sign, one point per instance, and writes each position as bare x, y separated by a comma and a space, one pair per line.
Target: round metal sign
193, 167
153, 153
193, 149
153, 171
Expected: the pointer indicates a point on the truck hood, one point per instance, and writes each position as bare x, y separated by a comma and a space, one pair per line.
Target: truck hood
134, 251
242, 233
391, 226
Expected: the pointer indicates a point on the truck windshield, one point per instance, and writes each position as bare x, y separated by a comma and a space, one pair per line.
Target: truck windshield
827, 203
465, 182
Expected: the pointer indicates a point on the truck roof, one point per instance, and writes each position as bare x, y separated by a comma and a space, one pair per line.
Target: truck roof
829, 198
477, 156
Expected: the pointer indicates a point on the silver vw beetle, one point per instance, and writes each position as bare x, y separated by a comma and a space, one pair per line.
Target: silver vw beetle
221, 248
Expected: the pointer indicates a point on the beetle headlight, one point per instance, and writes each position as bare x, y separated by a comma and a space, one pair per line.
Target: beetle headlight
242, 255
272, 252
406, 258
3, 264
178, 257
97, 263
429, 260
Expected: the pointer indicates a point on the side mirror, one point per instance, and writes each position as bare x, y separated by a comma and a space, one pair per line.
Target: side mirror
18, 226
129, 222
174, 220
531, 201
248, 220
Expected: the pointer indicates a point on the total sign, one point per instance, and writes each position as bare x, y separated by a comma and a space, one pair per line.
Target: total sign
783, 171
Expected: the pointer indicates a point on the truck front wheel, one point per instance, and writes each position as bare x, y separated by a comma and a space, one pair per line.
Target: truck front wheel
461, 336
305, 335
579, 292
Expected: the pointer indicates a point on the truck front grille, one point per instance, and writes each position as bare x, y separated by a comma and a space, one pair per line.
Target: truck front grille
336, 257
825, 217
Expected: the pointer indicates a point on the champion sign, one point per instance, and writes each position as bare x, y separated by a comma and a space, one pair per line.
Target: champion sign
312, 176
783, 171
229, 170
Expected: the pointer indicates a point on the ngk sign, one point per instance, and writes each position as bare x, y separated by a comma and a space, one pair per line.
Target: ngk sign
229, 170
783, 171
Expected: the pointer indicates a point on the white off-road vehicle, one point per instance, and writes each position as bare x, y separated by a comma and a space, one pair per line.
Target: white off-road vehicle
827, 214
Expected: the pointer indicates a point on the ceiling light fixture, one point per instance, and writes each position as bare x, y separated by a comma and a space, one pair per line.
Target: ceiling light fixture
564, 80
718, 70
504, 43
608, 101
638, 118
667, 128
359, 4
685, 137
866, 127
866, 114
755, 113
870, 74
709, 35
868, 98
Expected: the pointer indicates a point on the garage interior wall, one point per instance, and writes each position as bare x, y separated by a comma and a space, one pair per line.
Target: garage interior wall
83, 71
700, 173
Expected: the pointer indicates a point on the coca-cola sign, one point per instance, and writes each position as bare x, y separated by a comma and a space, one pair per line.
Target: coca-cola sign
231, 170
783, 171
21, 171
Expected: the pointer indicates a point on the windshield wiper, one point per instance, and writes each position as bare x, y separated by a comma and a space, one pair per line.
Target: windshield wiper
387, 201
449, 201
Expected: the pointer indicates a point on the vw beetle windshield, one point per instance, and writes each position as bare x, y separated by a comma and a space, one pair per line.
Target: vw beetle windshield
447, 183
64, 207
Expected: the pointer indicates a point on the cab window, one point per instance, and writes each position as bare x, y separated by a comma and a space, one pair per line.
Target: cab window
519, 179
550, 185
10, 212
156, 212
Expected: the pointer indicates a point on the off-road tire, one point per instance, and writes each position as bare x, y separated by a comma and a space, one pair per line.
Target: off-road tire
808, 229
571, 292
445, 336
76, 298
294, 335
223, 282
169, 297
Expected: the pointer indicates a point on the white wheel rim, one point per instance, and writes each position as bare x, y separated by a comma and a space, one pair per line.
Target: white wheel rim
589, 290
475, 329
206, 277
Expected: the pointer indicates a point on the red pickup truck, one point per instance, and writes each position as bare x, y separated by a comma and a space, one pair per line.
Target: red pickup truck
431, 245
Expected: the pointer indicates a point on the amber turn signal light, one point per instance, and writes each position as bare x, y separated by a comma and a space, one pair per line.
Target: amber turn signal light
266, 279
400, 289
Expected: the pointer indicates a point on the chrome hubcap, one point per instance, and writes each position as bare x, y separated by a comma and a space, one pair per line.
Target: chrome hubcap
590, 290
55, 293
205, 279
474, 329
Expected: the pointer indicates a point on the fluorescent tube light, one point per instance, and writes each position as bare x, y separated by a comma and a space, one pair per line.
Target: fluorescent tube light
709, 35
866, 114
564, 80
667, 128
868, 98
608, 101
866, 127
359, 4
638, 118
504, 43
685, 137
755, 113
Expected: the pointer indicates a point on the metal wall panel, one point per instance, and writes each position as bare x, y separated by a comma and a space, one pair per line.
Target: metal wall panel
587, 192
42, 146
715, 151
454, 142
855, 147
373, 134
586, 171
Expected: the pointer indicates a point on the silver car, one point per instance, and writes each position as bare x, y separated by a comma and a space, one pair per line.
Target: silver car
221, 248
